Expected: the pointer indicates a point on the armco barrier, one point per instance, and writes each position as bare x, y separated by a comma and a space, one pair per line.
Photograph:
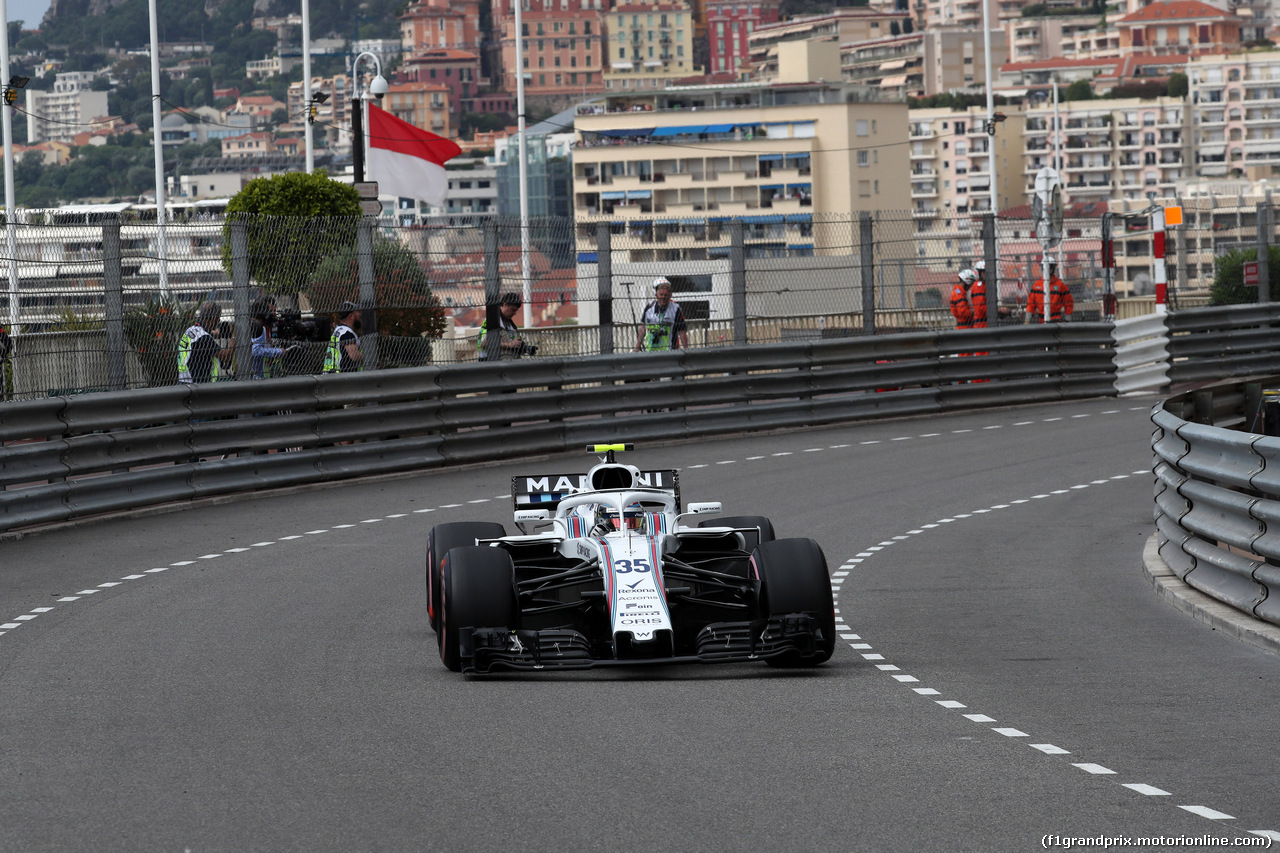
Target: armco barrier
1212, 343
1217, 496
72, 457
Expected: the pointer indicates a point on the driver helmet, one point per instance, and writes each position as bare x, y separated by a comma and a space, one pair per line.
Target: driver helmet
968, 277
632, 518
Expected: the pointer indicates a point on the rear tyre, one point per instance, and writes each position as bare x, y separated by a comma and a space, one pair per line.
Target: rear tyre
764, 525
442, 539
794, 579
478, 592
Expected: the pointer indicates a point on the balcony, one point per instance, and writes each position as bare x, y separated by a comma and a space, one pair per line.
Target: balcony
922, 155
792, 205
929, 190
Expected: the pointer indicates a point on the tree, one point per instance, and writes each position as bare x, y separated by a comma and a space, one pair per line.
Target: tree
1079, 90
1179, 86
294, 221
1228, 286
406, 305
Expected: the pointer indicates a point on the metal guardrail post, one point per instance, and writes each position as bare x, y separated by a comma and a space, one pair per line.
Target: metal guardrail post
113, 298
604, 286
991, 275
866, 236
368, 293
240, 298
738, 280
1263, 222
492, 291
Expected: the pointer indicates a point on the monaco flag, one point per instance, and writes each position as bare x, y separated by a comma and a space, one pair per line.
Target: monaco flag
407, 161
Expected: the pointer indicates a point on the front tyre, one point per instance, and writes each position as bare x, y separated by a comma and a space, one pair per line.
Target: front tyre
794, 579
442, 539
478, 592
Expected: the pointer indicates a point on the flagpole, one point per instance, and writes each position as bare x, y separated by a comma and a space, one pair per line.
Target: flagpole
306, 81
9, 202
161, 248
527, 287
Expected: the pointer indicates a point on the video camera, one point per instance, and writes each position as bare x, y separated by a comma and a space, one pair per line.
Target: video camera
292, 326
529, 350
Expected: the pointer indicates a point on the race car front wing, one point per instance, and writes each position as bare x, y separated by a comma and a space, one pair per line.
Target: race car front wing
489, 649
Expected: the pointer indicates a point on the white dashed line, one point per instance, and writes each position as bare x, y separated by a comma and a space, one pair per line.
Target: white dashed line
979, 718
726, 462
287, 538
784, 453
1050, 749
951, 703
398, 515
886, 667
132, 577
905, 678
183, 563
366, 521
108, 584
926, 691
314, 532
26, 617
872, 657
1096, 769
868, 442
450, 506
1010, 732
261, 544
1205, 811
420, 511
754, 458
9, 626
479, 501
156, 571
1146, 790
70, 598
236, 550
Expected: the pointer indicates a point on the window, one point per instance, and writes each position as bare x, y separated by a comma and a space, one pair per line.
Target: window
861, 127
864, 158
864, 189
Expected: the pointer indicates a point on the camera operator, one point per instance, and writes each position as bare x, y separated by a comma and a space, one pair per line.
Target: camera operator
510, 344
265, 357
200, 358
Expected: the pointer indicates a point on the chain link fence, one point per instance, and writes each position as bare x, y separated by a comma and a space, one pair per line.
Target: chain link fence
103, 304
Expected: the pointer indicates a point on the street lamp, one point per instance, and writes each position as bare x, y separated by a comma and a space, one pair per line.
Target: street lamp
359, 103
16, 82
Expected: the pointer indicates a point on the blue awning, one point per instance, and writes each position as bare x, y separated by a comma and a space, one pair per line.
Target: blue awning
799, 217
748, 124
771, 218
799, 186
799, 245
718, 219
719, 128
627, 133
666, 222
613, 194
801, 156
772, 187
770, 158
718, 252
693, 221
682, 130
587, 258
639, 194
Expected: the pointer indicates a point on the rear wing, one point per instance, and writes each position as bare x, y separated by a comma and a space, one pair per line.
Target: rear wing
545, 491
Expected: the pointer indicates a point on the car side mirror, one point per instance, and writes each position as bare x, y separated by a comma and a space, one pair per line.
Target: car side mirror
705, 508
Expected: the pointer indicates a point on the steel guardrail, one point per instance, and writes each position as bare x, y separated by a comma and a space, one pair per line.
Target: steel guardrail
1217, 496
71, 457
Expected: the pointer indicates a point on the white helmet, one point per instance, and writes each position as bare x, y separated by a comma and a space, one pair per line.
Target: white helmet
661, 281
980, 266
968, 276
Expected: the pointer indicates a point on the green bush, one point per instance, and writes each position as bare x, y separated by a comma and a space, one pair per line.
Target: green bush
1228, 279
153, 330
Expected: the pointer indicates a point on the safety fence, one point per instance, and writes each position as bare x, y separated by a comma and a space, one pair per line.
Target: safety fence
76, 456
1217, 493
102, 305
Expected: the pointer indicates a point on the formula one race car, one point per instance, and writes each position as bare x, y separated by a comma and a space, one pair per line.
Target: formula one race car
608, 572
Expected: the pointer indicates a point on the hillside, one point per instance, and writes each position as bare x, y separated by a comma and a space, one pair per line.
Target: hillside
92, 25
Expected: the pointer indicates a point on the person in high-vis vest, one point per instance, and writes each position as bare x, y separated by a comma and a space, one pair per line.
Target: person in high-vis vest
199, 355
343, 355
1061, 304
510, 344
662, 325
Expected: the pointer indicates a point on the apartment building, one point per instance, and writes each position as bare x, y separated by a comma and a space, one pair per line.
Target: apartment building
648, 45
456, 70
951, 176
1111, 148
433, 24
964, 13
563, 45
1179, 26
954, 58
59, 115
1236, 113
670, 169
730, 24
423, 105
843, 26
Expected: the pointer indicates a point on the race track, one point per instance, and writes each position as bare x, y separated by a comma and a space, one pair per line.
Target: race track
259, 675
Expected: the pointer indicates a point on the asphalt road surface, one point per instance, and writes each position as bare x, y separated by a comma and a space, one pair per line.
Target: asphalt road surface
259, 675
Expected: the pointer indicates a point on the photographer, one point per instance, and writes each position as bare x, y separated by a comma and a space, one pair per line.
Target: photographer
200, 358
343, 354
510, 344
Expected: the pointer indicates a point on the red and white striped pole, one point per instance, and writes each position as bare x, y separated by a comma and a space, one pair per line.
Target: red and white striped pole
1157, 249
1108, 268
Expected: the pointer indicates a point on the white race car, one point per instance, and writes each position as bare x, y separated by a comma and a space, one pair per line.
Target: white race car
608, 571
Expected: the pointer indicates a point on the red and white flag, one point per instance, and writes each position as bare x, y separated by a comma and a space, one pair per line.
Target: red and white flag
407, 161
